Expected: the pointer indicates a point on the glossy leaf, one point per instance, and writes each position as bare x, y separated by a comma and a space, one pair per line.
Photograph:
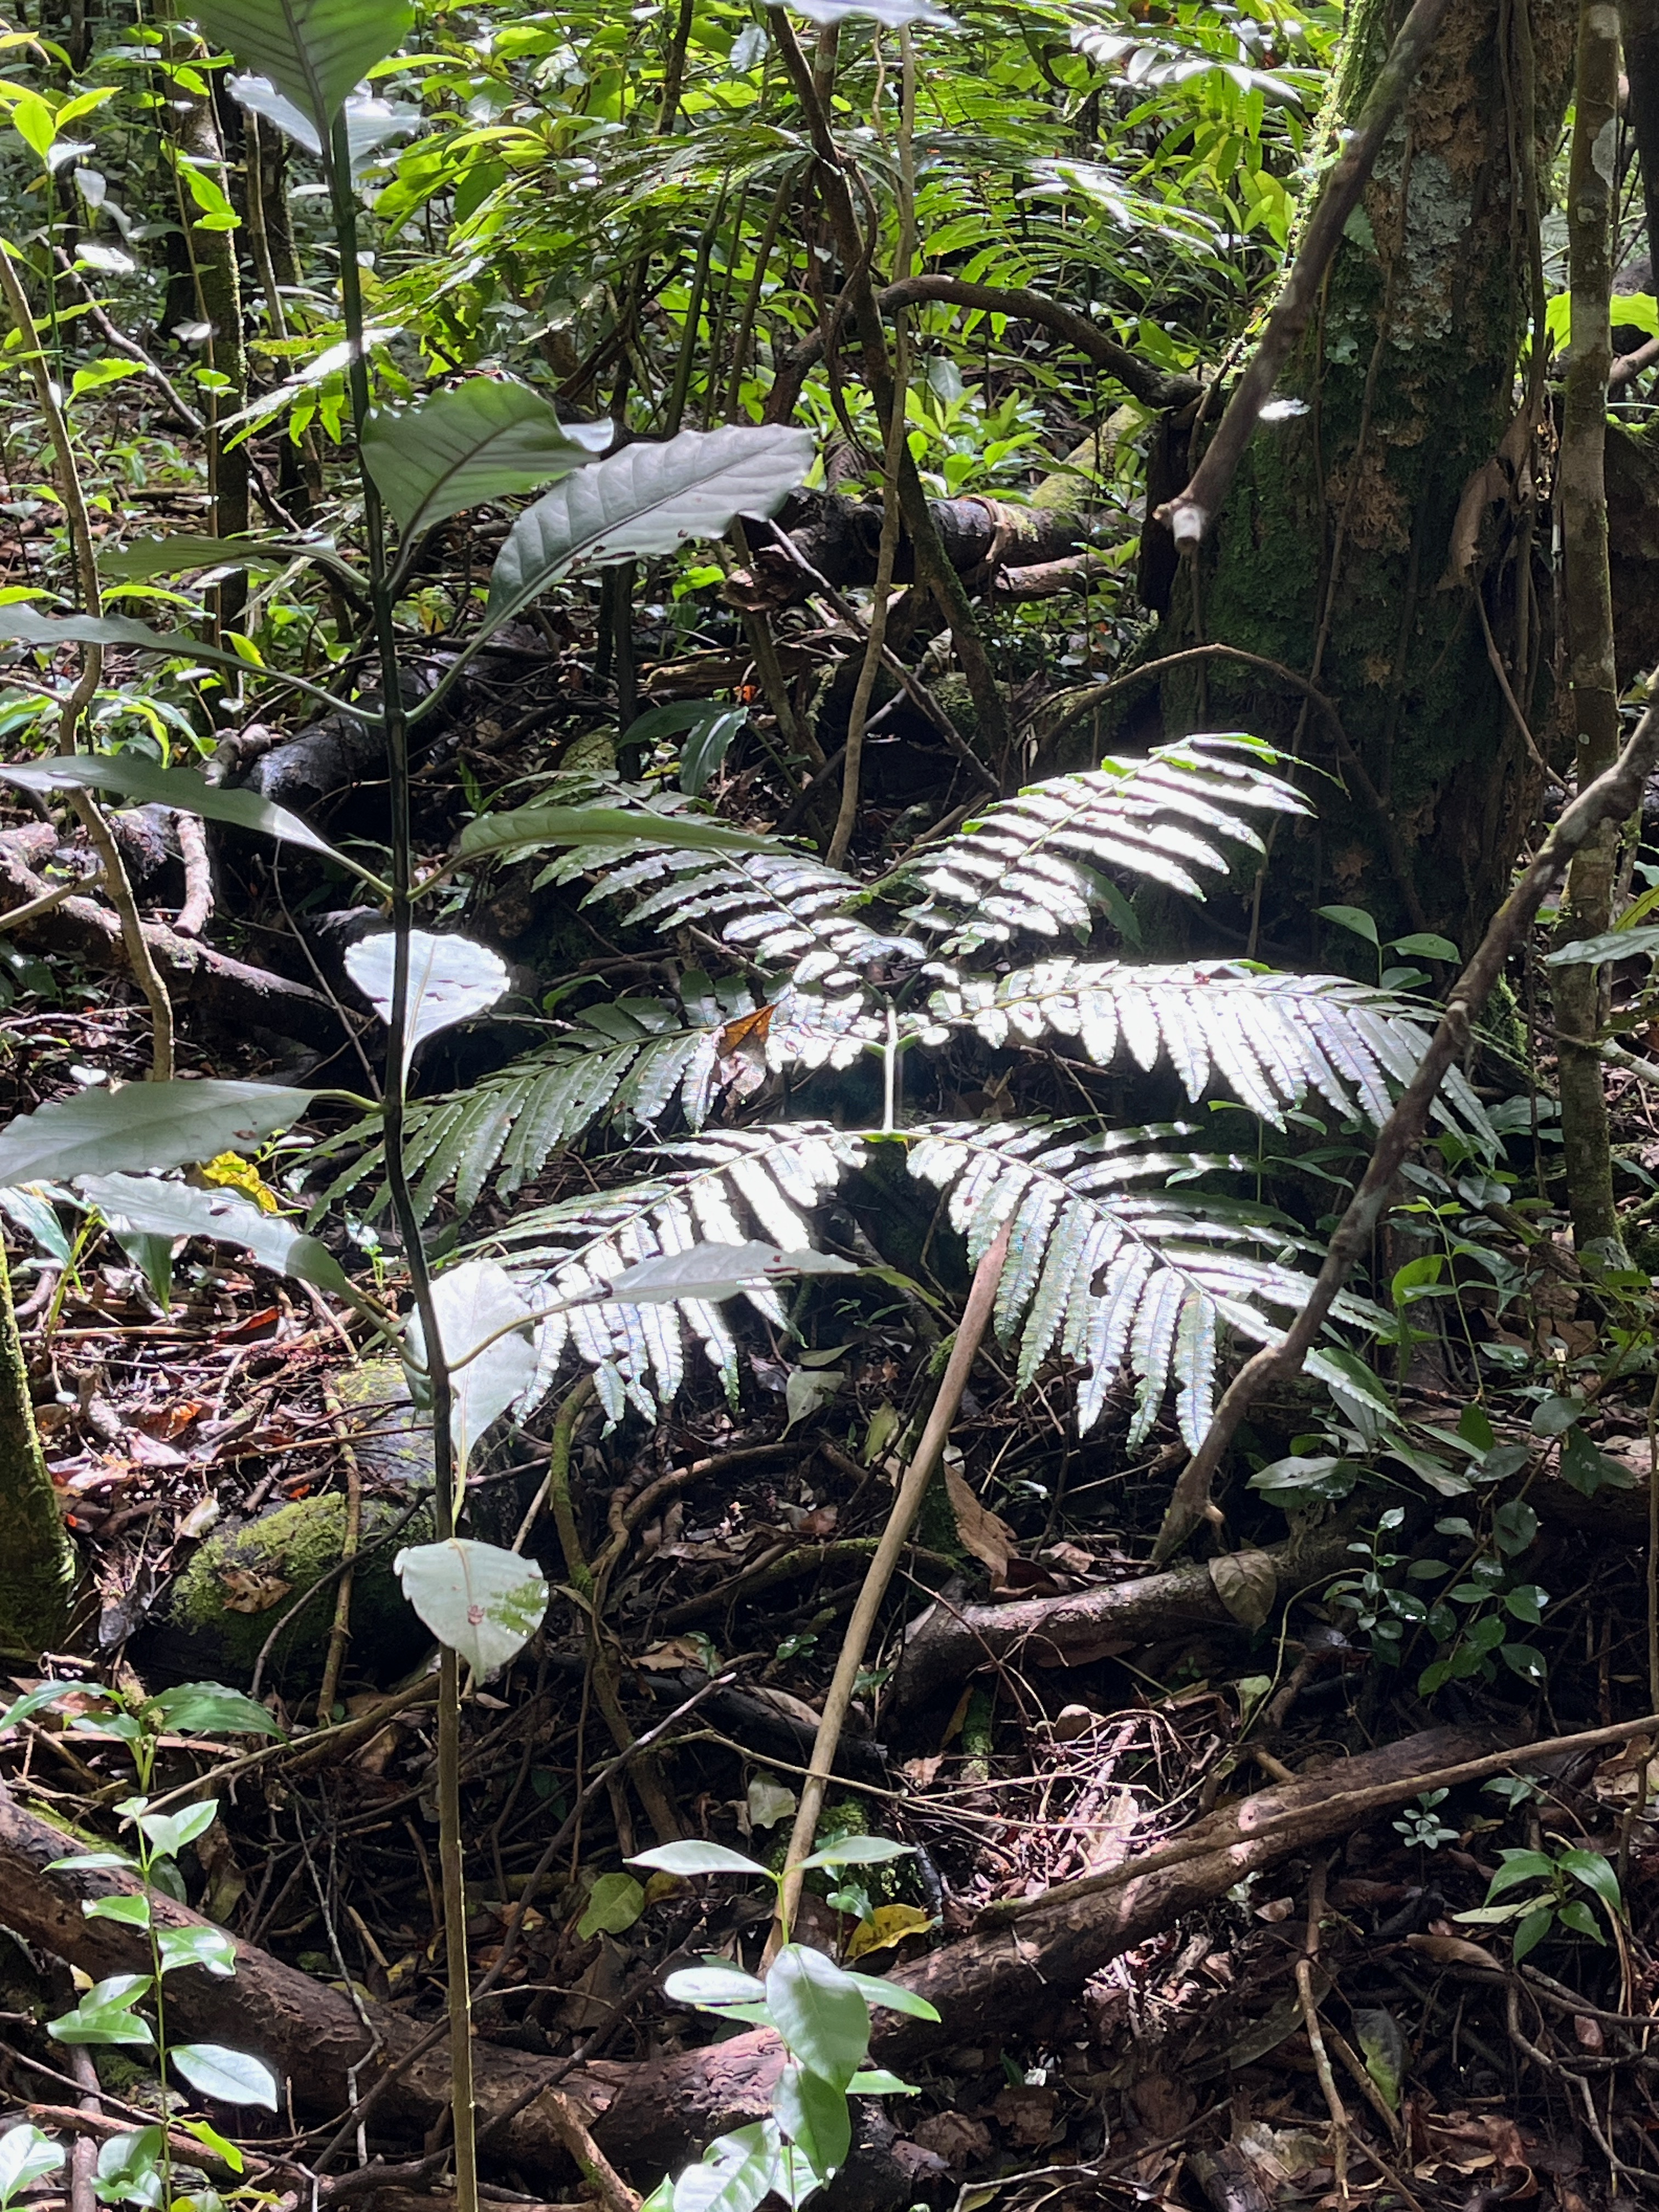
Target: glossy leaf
738, 2172
146, 784
314, 52
450, 980
37, 1700
184, 550
645, 501
231, 2076
105, 2015
491, 837
479, 1601
858, 1851
142, 1204
695, 1857
143, 1126
485, 1326
893, 1995
707, 743
813, 2113
169, 1833
213, 1709
127, 1910
820, 2012
209, 1948
713, 1986
369, 123
1597, 951
484, 439
26, 2156
21, 625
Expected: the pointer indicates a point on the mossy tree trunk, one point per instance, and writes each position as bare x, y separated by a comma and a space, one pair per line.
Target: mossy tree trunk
38, 1566
1339, 553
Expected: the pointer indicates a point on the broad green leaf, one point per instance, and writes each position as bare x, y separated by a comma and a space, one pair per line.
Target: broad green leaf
450, 980
127, 1911
144, 1126
369, 123
739, 2170
93, 1862
1353, 918
36, 1701
148, 785
893, 1995
706, 746
1518, 1867
695, 1858
487, 1334
878, 2082
1423, 945
1587, 1470
169, 1833
26, 2156
858, 1851
645, 501
312, 51
614, 1903
212, 1708
715, 1272
151, 1208
1596, 952
129, 2167
232, 2076
483, 1602
1597, 1874
490, 836
1532, 1931
1577, 1915
1383, 2046
820, 2012
209, 1948
176, 555
479, 441
105, 2015
713, 1986
813, 2113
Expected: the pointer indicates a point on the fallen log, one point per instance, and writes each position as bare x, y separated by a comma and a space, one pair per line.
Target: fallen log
951, 1642
652, 2115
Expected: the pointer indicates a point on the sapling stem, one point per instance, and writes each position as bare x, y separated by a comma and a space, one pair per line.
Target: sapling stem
382, 606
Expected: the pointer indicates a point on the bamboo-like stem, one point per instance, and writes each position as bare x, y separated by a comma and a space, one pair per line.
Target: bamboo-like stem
392, 1110
976, 1319
1587, 910
117, 882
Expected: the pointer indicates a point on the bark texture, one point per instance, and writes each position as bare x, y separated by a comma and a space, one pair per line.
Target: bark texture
1337, 554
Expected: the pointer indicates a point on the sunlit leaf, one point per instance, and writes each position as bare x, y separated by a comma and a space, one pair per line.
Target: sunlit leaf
485, 1326
490, 836
232, 2076
177, 1209
312, 51
483, 1602
143, 1126
484, 439
450, 980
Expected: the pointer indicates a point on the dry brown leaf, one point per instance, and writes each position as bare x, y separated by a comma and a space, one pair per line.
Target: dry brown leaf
1588, 2030
666, 1658
244, 1590
1451, 1950
1027, 2114
953, 2137
988, 1538
1247, 1585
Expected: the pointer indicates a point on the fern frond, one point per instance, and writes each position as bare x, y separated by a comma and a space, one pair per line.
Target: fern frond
1271, 1038
1108, 1274
1031, 863
739, 1184
773, 909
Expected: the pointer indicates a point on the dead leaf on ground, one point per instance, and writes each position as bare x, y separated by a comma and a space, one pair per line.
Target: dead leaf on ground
952, 2136
243, 1589
668, 1658
1028, 2114
988, 1538
1247, 1585
1451, 1950
1166, 2104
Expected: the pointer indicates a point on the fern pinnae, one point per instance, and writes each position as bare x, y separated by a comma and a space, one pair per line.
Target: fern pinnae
1151, 1348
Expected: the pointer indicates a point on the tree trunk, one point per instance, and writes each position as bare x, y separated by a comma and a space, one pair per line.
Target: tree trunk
37, 1565
1348, 550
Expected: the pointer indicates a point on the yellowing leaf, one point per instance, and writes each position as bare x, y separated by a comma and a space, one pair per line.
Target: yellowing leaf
887, 1925
228, 1167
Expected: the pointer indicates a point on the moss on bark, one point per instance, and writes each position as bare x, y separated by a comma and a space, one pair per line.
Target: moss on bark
37, 1565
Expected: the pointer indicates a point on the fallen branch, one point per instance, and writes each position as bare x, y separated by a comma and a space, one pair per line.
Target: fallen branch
1191, 511
952, 1641
1610, 797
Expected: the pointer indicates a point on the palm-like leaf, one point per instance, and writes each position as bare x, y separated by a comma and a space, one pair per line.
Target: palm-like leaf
1270, 1038
741, 1184
1031, 863
1108, 1274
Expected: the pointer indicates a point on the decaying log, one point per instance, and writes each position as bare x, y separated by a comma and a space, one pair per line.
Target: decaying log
651, 2116
951, 1642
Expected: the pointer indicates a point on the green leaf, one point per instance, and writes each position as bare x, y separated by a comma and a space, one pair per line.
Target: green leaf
129, 2168
21, 625
222, 2146
147, 784
645, 501
1518, 1867
892, 1995
230, 2075
858, 1850
1383, 2044
314, 52
715, 1272
878, 2082
614, 1903
1596, 952
820, 2012
1514, 1526
1424, 945
487, 1332
482, 440
491, 835
103, 2015
1554, 1416
895, 15
813, 2113
151, 1208
209, 1948
176, 555
1353, 918
1587, 1470
143, 1126
93, 1862
1300, 1481
707, 741
695, 1857
1577, 1915
738, 2171
26, 2156
1532, 1931
37, 1701
1596, 1875
211, 1708
479, 1601
169, 1833
713, 1986
369, 123
127, 1911
451, 980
